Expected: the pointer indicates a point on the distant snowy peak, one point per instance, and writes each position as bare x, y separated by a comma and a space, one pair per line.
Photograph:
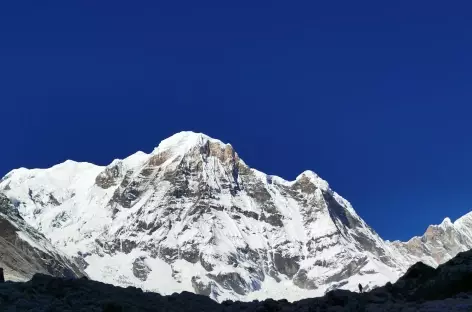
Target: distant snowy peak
439, 243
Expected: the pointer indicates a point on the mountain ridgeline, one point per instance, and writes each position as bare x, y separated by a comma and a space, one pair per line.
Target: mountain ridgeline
192, 216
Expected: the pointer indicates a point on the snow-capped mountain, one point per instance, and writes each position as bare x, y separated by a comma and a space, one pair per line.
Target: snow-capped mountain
24, 251
193, 216
439, 243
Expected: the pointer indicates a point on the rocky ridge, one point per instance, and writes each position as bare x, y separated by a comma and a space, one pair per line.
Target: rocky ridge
24, 251
439, 243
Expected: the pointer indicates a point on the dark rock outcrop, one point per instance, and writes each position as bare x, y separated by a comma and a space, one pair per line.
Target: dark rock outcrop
109, 177
286, 264
140, 269
24, 251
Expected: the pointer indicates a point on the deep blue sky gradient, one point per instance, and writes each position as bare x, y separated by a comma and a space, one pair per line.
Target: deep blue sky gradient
373, 96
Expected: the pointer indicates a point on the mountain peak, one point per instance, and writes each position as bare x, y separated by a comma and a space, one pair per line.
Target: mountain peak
181, 142
446, 222
314, 178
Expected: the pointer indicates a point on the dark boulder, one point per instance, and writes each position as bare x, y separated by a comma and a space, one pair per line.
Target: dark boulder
418, 271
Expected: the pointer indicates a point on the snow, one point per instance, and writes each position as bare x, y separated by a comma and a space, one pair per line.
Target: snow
89, 215
136, 159
439, 243
180, 143
22, 234
24, 237
270, 288
319, 182
446, 223
117, 269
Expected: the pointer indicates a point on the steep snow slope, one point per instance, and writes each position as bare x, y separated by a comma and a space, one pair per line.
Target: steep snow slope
25, 252
193, 216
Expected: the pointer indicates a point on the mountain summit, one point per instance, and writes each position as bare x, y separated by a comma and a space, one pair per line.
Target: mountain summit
192, 216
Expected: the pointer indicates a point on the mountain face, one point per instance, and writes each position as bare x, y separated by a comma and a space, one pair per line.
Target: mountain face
420, 289
25, 252
192, 216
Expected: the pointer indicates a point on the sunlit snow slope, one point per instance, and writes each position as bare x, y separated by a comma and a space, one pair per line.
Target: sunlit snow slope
193, 216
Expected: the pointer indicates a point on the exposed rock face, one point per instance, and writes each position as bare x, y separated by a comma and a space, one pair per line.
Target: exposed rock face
200, 287
109, 177
445, 289
24, 251
439, 243
140, 269
205, 222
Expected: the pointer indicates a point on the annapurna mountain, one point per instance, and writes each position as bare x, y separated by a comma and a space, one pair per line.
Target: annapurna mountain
192, 216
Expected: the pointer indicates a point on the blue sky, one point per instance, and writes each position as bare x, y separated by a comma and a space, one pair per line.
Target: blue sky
373, 96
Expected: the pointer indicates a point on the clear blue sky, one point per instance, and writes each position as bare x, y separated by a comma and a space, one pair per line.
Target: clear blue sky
373, 96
